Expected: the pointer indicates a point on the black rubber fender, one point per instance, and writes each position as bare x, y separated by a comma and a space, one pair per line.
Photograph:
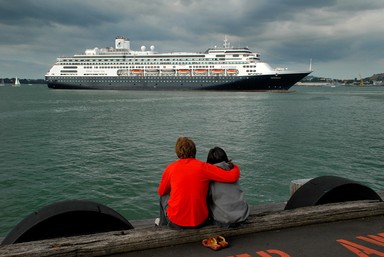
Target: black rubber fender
67, 218
330, 189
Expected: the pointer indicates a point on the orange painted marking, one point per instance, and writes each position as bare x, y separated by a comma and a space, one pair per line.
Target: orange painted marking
359, 250
377, 240
274, 252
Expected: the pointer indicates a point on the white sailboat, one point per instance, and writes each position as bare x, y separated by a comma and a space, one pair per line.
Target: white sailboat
2, 83
17, 83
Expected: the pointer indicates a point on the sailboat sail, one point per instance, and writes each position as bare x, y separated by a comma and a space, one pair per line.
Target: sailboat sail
17, 82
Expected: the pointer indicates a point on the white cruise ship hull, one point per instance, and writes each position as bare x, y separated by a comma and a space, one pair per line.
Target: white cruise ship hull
230, 83
120, 68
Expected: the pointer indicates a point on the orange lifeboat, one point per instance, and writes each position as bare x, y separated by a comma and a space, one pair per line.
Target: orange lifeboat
184, 71
200, 71
137, 71
217, 71
232, 71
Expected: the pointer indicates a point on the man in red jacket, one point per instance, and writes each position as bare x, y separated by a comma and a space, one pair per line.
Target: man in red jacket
184, 187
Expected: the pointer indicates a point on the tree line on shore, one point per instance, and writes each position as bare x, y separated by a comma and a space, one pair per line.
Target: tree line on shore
23, 81
368, 80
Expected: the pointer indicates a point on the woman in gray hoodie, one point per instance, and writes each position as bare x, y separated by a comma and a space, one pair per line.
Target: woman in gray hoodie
225, 200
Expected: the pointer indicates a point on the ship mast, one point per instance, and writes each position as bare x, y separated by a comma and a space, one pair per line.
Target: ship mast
226, 43
310, 64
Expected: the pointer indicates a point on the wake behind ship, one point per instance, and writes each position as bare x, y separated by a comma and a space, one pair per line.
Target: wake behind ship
120, 68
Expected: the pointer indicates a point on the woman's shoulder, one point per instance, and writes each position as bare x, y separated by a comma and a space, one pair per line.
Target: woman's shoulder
225, 165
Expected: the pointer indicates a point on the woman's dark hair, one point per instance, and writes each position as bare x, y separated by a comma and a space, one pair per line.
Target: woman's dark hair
216, 155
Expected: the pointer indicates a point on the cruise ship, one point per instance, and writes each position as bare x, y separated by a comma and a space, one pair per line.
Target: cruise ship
120, 68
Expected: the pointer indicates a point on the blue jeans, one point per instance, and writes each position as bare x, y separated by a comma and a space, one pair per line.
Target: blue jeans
164, 220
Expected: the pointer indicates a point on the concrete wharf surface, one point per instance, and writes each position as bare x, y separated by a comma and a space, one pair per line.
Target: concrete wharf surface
359, 237
331, 230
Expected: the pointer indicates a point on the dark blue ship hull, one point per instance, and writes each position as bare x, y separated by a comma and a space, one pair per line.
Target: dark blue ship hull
279, 82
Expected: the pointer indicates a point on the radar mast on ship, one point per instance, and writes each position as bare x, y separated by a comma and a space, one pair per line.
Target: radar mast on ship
226, 42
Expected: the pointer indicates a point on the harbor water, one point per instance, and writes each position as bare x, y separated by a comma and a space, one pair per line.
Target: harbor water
111, 147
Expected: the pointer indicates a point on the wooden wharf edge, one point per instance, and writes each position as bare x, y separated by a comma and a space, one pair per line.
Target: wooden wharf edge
120, 242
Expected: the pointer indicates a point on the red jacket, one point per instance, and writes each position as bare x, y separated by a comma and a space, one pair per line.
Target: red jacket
187, 182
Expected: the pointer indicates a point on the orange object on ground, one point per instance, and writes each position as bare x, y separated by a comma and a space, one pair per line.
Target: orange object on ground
211, 243
222, 242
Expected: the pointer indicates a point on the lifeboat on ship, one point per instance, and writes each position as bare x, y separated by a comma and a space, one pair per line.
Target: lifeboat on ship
167, 72
217, 72
232, 71
200, 72
122, 72
152, 72
137, 72
184, 71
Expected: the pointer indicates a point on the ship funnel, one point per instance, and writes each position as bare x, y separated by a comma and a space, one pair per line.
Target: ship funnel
122, 43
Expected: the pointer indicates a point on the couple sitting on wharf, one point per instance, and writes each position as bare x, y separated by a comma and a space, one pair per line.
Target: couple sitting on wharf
194, 193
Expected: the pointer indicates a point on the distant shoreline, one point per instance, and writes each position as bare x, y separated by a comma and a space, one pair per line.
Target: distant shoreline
25, 81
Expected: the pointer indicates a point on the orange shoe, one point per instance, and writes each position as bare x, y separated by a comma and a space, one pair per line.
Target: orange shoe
222, 242
211, 243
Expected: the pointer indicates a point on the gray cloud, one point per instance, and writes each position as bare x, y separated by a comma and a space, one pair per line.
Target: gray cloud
48, 13
334, 33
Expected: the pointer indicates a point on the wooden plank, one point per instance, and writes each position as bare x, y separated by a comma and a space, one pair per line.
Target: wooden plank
105, 244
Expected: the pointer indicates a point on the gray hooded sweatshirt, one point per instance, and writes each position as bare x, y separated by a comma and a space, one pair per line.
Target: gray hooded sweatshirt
226, 201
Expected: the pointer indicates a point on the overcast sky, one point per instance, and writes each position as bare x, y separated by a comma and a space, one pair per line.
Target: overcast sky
344, 38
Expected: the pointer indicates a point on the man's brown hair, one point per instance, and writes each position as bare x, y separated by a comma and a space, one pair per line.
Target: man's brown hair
185, 148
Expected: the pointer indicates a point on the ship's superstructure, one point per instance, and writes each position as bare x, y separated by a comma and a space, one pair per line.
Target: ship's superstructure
119, 67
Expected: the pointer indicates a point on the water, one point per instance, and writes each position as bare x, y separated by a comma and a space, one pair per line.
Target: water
112, 146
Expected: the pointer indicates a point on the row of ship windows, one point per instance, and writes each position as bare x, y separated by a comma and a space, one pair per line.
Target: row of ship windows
149, 63
148, 66
137, 67
139, 81
151, 60
149, 76
132, 80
